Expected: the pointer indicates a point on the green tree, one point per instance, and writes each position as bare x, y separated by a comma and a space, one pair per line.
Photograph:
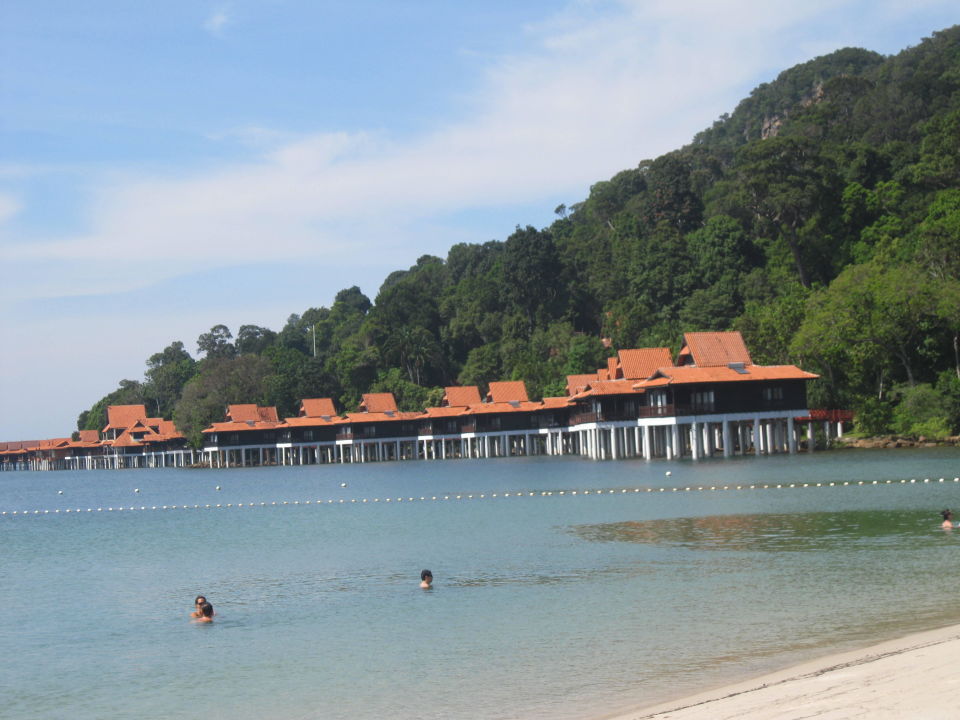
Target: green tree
167, 373
785, 183
216, 344
221, 382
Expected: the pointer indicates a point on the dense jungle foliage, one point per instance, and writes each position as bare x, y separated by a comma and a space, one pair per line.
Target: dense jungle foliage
821, 219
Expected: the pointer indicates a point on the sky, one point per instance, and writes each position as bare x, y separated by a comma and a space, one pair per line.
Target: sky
166, 167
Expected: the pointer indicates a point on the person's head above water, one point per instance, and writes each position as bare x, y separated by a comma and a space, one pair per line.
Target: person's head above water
424, 574
206, 611
200, 600
946, 514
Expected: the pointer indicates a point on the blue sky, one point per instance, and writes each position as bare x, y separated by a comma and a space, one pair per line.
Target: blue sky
165, 167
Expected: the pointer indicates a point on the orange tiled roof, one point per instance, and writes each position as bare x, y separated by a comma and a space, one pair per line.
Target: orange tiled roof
461, 396
248, 412
553, 403
641, 363
317, 407
713, 349
511, 406
508, 391
689, 374
309, 421
89, 436
609, 387
577, 383
613, 368
451, 411
245, 417
120, 417
378, 403
387, 416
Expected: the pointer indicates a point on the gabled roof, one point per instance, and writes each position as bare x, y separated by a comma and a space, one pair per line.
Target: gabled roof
507, 391
642, 362
689, 374
89, 436
713, 349
555, 403
378, 403
461, 396
577, 383
250, 413
317, 407
246, 417
120, 417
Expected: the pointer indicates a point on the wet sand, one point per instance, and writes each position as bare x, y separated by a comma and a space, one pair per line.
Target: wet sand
915, 677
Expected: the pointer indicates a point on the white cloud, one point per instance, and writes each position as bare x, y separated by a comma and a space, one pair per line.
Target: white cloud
217, 21
9, 207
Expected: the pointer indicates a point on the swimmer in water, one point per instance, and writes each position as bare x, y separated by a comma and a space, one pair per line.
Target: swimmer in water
206, 613
426, 579
947, 519
198, 606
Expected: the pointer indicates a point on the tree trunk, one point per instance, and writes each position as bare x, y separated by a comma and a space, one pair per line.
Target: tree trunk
791, 239
905, 361
956, 352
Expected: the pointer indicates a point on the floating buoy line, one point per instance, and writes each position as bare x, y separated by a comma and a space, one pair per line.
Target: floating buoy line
477, 496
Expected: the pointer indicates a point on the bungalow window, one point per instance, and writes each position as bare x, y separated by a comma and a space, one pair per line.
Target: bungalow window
772, 394
658, 398
703, 400
495, 423
369, 431
308, 435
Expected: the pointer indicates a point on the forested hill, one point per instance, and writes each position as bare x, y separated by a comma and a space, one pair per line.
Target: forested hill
821, 218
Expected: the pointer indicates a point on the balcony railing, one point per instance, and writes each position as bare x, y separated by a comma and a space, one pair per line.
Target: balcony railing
345, 436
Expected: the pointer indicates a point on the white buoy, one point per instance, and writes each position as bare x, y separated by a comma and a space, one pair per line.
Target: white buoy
59, 492
217, 487
136, 490
668, 473
343, 484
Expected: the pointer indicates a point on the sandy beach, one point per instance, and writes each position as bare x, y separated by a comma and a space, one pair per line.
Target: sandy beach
914, 677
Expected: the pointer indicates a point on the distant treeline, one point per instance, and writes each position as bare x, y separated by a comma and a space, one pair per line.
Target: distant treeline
821, 219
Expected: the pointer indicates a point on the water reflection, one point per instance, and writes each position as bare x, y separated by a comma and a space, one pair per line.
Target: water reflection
772, 532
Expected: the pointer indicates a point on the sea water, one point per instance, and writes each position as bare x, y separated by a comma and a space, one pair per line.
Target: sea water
547, 605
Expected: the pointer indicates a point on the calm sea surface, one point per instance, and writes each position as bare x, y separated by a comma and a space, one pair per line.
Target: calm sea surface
559, 606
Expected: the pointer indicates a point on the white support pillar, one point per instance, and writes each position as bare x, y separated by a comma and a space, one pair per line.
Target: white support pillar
770, 446
791, 435
673, 451
647, 448
695, 441
756, 436
727, 446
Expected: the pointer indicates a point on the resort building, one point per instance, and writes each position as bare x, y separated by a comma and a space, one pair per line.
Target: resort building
711, 400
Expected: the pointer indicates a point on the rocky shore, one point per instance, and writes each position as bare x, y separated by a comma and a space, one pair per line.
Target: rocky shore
895, 441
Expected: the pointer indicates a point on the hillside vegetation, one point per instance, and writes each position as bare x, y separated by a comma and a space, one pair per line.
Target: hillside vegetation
821, 218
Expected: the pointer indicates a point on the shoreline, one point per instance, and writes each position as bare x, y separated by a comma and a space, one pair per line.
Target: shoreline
910, 677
